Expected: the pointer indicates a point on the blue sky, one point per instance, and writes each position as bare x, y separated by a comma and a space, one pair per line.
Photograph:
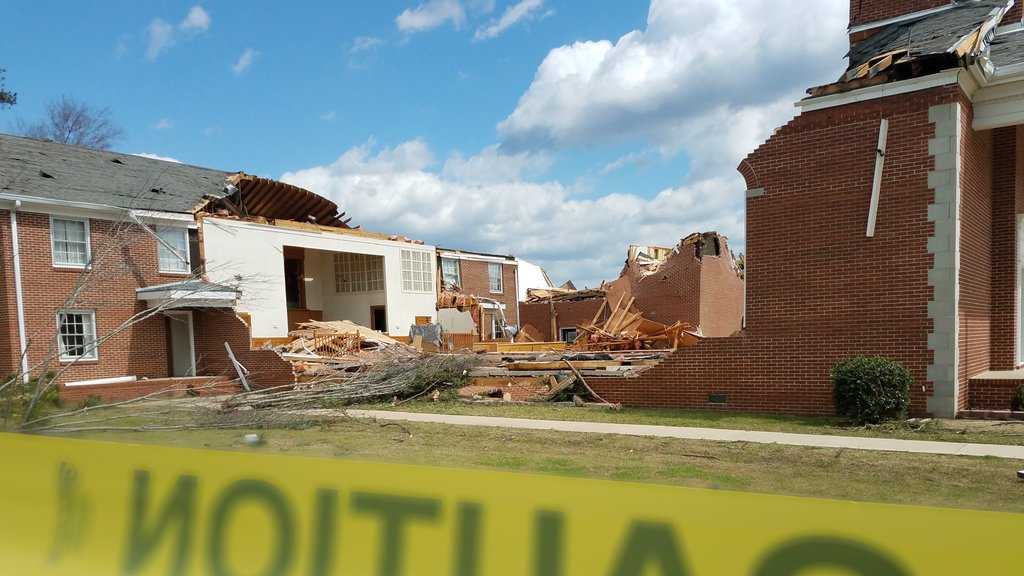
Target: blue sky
559, 131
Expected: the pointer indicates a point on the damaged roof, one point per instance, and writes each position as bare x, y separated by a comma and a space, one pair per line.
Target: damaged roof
956, 37
50, 170
1007, 49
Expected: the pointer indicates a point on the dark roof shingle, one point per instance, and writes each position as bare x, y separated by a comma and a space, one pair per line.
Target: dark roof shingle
45, 169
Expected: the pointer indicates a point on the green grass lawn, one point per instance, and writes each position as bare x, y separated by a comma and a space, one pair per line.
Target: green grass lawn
939, 430
981, 483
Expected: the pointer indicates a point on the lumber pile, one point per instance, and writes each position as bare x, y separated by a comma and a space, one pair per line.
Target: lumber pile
627, 329
318, 347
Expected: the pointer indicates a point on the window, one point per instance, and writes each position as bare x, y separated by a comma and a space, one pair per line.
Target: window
172, 252
70, 242
450, 273
567, 335
77, 333
358, 272
494, 277
417, 275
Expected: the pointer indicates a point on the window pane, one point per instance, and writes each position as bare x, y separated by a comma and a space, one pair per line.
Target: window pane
77, 335
70, 242
173, 251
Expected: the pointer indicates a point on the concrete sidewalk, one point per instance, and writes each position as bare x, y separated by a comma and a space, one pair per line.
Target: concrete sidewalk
714, 434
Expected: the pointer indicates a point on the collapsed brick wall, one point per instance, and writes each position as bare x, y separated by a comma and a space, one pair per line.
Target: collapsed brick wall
671, 294
721, 296
819, 289
975, 298
213, 328
537, 316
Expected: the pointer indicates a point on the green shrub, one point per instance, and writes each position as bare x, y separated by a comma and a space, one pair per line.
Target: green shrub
869, 390
1017, 402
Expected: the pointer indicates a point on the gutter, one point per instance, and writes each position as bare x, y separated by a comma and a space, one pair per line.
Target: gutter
18, 293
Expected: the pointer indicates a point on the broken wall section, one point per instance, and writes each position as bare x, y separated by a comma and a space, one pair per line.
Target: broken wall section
697, 282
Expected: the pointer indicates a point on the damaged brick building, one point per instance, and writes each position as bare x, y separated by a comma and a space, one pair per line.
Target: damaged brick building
697, 283
884, 219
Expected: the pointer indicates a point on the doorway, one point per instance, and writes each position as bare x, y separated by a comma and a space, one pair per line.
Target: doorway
181, 350
379, 318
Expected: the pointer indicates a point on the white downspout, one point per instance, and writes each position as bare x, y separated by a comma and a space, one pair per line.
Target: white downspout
519, 319
19, 297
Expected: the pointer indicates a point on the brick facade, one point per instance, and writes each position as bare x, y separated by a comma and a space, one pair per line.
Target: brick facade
818, 289
124, 258
865, 11
475, 279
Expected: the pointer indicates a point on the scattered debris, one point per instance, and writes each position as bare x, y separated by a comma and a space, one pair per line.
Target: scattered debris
320, 348
627, 329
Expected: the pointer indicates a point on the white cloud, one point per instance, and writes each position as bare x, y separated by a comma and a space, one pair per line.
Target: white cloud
245, 60
157, 157
694, 56
519, 12
572, 236
702, 85
329, 116
160, 35
197, 20
163, 124
430, 15
365, 44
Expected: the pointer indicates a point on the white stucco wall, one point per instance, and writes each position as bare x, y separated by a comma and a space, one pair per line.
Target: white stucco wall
251, 255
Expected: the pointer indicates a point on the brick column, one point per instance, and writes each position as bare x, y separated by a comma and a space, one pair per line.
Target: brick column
1004, 249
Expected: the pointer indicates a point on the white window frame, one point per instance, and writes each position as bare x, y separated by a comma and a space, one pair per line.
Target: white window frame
53, 243
491, 266
356, 273
160, 247
423, 264
92, 352
458, 271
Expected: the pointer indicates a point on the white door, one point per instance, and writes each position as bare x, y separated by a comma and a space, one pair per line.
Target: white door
183, 361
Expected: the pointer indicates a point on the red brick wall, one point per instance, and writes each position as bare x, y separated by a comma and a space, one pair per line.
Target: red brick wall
993, 394
213, 328
975, 252
475, 280
818, 289
1003, 313
671, 294
537, 316
721, 296
864, 11
168, 388
124, 259
8, 308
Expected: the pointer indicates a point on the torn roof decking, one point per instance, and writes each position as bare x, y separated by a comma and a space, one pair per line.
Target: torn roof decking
925, 45
45, 169
256, 196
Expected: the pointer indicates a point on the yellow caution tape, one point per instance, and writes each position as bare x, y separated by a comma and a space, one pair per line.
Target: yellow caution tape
81, 507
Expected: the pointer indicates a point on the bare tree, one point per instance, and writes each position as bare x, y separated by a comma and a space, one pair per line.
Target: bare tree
69, 121
7, 98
